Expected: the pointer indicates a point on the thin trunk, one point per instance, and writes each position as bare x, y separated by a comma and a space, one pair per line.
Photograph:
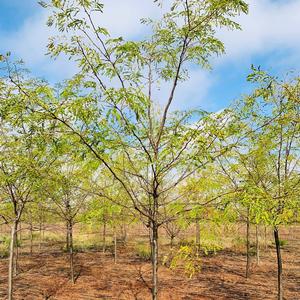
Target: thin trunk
150, 238
20, 232
11, 260
104, 237
265, 238
279, 264
248, 245
31, 238
124, 233
115, 245
154, 252
43, 230
67, 237
172, 241
198, 242
71, 252
257, 244
40, 235
16, 256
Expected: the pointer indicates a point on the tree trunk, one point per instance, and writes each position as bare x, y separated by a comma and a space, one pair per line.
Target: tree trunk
266, 244
16, 255
154, 252
257, 244
104, 237
150, 239
71, 252
40, 235
198, 242
115, 245
11, 260
31, 238
43, 231
67, 237
172, 241
279, 264
20, 232
124, 234
248, 245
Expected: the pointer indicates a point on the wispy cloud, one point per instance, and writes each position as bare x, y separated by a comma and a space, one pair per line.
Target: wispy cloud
271, 25
29, 44
123, 17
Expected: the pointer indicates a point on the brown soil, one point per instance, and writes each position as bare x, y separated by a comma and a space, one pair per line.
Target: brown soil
45, 276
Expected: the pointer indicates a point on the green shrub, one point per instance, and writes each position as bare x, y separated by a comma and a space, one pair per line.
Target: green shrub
239, 241
82, 247
143, 251
210, 247
187, 258
3, 250
282, 243
52, 238
4, 246
210, 243
86, 247
186, 242
5, 240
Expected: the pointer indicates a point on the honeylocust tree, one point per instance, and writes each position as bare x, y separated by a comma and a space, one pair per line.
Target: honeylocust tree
23, 153
109, 207
65, 186
241, 202
271, 159
206, 192
111, 105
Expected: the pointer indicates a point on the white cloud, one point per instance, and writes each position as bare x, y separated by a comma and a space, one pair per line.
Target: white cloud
29, 44
269, 26
30, 40
192, 93
122, 18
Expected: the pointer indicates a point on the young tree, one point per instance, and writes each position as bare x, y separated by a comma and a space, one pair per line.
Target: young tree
109, 104
173, 228
271, 158
22, 153
34, 217
65, 185
206, 190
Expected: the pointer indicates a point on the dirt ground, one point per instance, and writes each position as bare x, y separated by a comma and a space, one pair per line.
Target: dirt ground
45, 276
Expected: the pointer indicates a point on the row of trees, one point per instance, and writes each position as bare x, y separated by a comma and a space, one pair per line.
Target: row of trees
105, 140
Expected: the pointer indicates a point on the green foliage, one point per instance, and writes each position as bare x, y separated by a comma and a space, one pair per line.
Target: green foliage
282, 243
187, 258
210, 242
211, 246
83, 246
186, 242
142, 251
4, 252
4, 246
264, 167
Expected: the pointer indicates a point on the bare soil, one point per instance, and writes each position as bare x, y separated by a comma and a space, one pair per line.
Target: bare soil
45, 276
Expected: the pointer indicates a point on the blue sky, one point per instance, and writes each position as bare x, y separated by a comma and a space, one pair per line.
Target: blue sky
270, 38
